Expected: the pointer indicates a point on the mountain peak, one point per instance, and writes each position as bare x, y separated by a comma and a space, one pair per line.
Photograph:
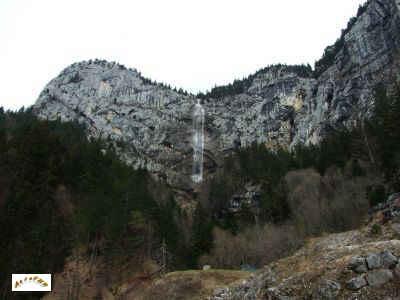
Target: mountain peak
279, 106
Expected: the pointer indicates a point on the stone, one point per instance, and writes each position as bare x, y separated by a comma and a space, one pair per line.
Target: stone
329, 289
374, 261
376, 278
358, 264
356, 283
388, 259
206, 267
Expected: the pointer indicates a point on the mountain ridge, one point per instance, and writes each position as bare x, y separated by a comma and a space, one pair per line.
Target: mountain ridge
275, 106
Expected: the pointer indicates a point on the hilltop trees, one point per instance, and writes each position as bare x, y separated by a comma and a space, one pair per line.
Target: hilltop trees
240, 86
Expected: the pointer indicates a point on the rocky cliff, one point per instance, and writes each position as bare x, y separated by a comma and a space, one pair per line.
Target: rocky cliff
279, 106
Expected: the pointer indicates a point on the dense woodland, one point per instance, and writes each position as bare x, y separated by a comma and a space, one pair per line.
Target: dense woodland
60, 191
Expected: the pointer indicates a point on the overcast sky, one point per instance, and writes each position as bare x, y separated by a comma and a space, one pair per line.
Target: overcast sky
190, 44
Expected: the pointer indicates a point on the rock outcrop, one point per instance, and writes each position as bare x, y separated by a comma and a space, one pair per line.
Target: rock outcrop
150, 123
279, 106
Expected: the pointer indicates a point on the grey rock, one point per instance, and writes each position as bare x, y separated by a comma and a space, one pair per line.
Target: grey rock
377, 278
328, 289
374, 261
356, 283
358, 264
388, 259
278, 108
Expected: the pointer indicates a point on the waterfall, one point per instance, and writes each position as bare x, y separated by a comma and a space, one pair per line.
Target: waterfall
198, 142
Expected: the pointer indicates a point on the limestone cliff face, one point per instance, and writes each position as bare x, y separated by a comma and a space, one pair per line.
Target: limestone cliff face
152, 121
278, 107
283, 108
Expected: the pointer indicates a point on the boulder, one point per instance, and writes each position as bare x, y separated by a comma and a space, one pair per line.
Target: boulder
377, 278
328, 289
358, 264
374, 261
388, 259
356, 283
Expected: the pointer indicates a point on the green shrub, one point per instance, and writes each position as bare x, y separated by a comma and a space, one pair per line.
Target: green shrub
376, 229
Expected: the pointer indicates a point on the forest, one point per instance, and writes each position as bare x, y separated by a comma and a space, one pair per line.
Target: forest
60, 191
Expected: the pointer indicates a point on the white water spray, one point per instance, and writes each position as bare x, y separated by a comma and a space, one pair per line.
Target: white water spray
198, 142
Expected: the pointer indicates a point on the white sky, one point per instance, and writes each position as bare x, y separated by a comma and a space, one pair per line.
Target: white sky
185, 43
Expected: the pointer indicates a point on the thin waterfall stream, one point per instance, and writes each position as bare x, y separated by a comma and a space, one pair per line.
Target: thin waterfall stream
198, 142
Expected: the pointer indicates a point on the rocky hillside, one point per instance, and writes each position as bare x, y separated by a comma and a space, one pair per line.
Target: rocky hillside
279, 106
358, 264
